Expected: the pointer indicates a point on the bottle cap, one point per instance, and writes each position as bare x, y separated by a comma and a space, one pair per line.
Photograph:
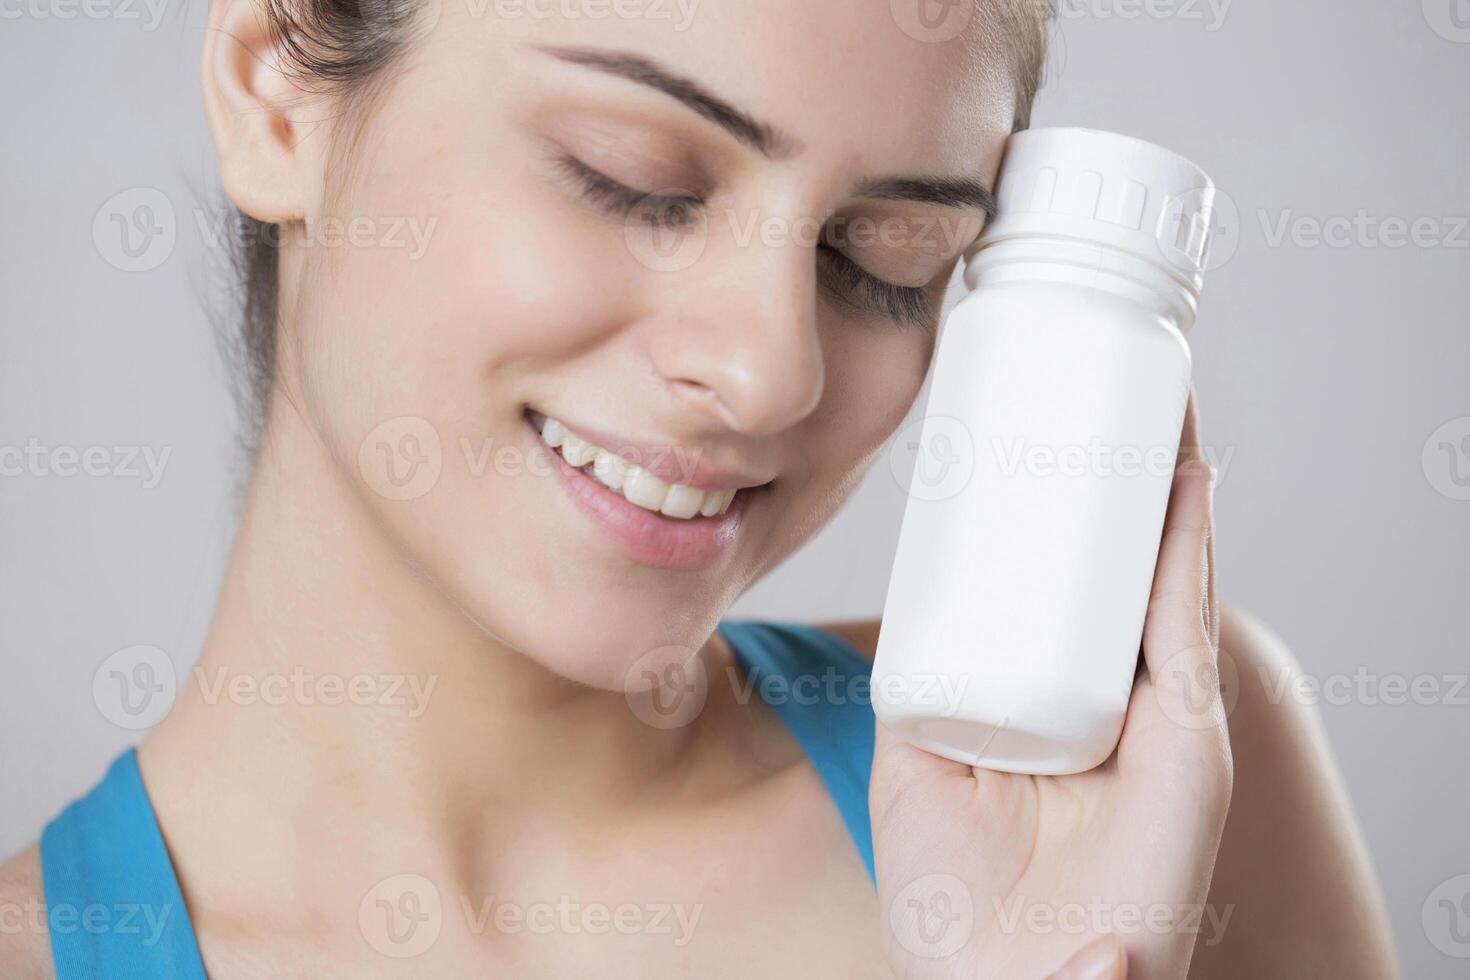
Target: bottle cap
1091, 186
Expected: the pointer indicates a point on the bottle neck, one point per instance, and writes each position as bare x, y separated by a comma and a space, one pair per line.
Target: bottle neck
1087, 264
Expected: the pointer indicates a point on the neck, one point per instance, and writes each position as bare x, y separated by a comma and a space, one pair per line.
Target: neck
341, 694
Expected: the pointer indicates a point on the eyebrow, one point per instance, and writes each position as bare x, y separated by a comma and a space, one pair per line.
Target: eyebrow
954, 192
765, 138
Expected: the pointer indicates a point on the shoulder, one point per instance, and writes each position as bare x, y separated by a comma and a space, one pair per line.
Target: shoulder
860, 634
25, 946
1277, 738
1248, 639
1271, 731
1263, 673
1292, 865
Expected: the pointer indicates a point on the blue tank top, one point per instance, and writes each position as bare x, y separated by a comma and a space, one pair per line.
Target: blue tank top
115, 910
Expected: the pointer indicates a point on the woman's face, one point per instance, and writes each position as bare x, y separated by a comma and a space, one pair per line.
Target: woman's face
708, 239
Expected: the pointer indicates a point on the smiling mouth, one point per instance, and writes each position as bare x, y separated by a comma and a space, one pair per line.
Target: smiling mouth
635, 484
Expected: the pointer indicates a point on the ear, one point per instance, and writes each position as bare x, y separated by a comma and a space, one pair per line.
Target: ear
256, 115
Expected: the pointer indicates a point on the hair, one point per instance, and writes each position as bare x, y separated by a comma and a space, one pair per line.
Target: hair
345, 48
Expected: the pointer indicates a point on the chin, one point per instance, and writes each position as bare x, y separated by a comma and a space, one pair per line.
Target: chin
552, 592
611, 640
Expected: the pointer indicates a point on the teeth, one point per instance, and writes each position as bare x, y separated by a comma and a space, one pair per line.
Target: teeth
637, 485
577, 452
683, 502
611, 470
716, 503
645, 489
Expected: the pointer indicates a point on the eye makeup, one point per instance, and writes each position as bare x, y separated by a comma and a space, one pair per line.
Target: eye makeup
614, 197
842, 279
855, 287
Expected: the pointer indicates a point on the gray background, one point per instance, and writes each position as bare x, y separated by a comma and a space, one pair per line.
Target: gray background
1323, 369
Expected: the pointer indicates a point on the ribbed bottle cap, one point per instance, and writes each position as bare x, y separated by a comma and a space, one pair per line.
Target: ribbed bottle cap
1092, 186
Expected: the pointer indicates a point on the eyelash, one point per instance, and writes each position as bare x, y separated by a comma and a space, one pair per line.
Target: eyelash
664, 211
908, 305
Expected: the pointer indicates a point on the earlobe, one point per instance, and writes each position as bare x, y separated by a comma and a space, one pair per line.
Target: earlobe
253, 107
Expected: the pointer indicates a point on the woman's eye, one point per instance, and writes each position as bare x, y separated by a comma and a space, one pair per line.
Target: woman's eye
660, 210
851, 283
845, 280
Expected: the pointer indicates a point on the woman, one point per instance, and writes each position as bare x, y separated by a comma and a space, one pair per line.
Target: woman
613, 210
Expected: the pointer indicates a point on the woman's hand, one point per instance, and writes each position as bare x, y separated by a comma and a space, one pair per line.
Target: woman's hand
988, 874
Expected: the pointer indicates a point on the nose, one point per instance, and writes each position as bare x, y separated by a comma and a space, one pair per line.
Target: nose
740, 340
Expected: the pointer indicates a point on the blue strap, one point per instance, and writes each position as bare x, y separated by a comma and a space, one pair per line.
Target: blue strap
818, 685
113, 905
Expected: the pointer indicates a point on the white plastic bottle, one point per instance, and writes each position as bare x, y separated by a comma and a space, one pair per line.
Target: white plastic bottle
1014, 615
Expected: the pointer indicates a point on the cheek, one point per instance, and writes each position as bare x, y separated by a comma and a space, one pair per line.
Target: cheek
874, 373
491, 273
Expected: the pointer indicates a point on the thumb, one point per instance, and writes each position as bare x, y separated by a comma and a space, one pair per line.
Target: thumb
1102, 959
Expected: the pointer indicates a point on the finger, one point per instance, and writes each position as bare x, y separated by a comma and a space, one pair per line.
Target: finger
1102, 959
1191, 449
1189, 445
1179, 615
1179, 633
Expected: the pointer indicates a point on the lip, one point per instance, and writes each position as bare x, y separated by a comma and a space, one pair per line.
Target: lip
646, 537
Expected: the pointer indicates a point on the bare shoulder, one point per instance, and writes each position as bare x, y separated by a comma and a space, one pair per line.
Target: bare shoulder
861, 634
1246, 637
1260, 677
25, 946
1294, 891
